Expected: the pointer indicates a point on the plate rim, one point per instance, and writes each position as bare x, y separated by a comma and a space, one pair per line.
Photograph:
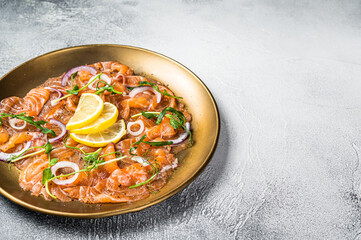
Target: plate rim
156, 201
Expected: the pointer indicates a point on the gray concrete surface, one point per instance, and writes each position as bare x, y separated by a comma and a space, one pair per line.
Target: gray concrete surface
287, 79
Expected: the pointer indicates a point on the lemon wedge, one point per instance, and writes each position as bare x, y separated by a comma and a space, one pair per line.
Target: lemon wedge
100, 139
106, 119
89, 108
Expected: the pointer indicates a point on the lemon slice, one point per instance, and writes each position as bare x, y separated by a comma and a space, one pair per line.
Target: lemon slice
89, 108
106, 119
100, 139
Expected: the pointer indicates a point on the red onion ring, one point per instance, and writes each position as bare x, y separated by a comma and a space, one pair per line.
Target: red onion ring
103, 77
141, 128
67, 75
120, 76
183, 136
7, 156
137, 90
60, 94
61, 126
64, 164
14, 121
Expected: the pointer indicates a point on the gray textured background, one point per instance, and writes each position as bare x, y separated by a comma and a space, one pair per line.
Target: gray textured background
287, 79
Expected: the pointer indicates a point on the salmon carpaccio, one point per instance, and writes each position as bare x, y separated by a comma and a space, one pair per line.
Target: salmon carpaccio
108, 183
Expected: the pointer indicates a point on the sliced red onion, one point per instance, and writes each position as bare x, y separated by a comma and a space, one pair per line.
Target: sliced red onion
120, 76
67, 75
141, 127
183, 136
140, 160
7, 156
65, 164
14, 121
60, 94
103, 77
61, 126
137, 90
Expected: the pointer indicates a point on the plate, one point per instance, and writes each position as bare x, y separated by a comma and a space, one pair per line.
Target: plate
181, 80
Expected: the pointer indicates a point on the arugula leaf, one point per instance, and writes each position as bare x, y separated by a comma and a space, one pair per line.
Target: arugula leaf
141, 140
47, 175
177, 118
157, 144
149, 115
155, 86
107, 87
30, 120
136, 143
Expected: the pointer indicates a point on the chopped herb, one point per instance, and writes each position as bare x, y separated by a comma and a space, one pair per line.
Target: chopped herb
30, 120
155, 86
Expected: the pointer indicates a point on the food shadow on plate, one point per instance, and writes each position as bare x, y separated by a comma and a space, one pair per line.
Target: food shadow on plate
173, 210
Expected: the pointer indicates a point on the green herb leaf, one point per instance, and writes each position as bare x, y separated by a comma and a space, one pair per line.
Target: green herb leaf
131, 150
157, 144
107, 87
155, 172
149, 115
91, 158
177, 118
73, 91
47, 174
53, 161
72, 78
140, 140
155, 86
48, 147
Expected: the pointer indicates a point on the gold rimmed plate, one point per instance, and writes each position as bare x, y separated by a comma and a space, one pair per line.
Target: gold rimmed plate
196, 96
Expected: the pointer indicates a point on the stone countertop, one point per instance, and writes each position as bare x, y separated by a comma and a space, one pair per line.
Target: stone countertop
286, 77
